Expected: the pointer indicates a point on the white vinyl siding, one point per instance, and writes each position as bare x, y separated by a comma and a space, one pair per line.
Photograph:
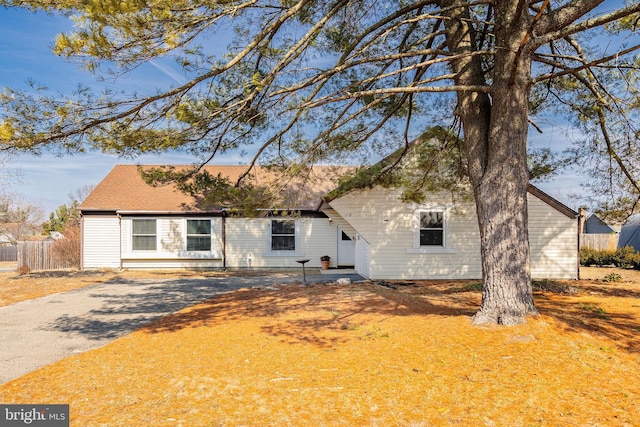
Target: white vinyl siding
553, 238
173, 248
389, 228
249, 243
171, 263
101, 241
172, 236
109, 244
363, 257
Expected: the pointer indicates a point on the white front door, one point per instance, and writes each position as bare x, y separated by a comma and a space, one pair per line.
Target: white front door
346, 250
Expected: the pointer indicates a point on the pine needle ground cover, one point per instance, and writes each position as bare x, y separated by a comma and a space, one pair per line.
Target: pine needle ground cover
369, 354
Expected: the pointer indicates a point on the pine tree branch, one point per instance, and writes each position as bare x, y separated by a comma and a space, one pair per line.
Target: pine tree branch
574, 70
560, 23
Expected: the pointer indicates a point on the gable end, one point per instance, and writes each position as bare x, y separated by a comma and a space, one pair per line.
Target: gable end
557, 205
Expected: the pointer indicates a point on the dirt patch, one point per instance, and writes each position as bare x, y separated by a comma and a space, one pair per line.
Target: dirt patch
402, 354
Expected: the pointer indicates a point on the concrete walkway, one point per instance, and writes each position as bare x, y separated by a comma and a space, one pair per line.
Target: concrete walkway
38, 332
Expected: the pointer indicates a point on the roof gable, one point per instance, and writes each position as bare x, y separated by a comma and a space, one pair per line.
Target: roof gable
595, 225
378, 174
554, 203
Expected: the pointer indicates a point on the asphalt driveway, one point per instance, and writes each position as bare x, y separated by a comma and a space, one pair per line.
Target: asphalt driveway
38, 332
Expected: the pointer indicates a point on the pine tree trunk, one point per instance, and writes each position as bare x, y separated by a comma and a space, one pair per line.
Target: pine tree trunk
495, 133
501, 202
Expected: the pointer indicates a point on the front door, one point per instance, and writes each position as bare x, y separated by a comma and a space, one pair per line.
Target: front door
346, 250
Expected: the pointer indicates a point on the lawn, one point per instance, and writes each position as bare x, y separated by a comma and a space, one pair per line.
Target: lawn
367, 354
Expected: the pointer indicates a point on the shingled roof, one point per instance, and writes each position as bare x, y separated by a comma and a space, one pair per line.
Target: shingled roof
124, 190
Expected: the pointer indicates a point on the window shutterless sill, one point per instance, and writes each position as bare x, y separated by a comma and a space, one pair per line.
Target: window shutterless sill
195, 255
432, 250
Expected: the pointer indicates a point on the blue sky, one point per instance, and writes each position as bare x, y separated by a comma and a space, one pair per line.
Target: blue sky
25, 51
25, 48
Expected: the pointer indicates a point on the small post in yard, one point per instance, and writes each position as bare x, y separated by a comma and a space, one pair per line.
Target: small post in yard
304, 274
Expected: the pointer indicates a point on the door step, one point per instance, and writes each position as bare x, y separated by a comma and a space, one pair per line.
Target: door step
338, 271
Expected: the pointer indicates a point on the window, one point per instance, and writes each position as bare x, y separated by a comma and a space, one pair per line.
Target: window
432, 231
283, 235
198, 235
432, 228
143, 235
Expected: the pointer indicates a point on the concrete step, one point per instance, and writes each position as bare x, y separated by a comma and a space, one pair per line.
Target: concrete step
338, 271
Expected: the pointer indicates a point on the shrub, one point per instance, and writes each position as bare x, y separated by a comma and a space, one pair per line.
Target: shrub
623, 257
472, 287
587, 256
23, 269
612, 278
590, 256
66, 251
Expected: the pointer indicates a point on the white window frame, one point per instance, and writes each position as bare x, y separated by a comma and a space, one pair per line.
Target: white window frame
186, 236
431, 249
294, 253
133, 250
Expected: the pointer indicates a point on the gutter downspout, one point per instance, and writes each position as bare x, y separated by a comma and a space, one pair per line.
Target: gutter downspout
582, 220
580, 230
120, 239
81, 241
224, 240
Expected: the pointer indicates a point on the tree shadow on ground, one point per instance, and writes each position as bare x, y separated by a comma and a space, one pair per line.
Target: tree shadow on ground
317, 314
95, 329
434, 298
123, 305
324, 311
579, 316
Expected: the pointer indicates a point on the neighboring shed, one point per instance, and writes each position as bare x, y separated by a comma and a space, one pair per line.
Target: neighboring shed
597, 234
595, 225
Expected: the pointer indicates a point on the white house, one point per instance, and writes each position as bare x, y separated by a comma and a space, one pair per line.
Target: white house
127, 223
440, 240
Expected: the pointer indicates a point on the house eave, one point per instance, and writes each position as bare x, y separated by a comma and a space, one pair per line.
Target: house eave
173, 213
213, 212
554, 203
533, 190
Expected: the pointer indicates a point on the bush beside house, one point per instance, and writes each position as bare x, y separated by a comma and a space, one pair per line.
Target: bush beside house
622, 257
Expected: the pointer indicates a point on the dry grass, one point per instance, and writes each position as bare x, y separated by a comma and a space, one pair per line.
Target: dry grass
402, 354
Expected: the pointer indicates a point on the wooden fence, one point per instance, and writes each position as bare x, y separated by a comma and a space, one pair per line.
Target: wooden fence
8, 253
599, 241
38, 256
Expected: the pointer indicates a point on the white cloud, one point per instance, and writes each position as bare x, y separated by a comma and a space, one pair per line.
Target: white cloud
167, 71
